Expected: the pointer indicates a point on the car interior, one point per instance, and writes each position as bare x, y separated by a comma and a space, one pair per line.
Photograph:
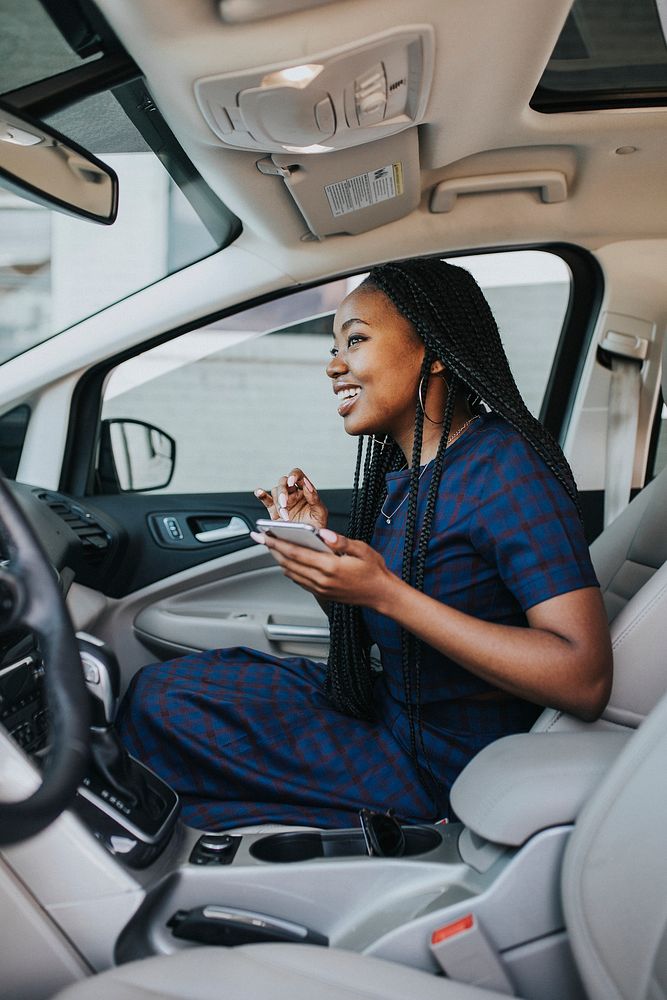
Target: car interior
187, 191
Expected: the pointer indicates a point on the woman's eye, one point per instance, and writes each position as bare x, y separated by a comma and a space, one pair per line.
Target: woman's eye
354, 339
333, 352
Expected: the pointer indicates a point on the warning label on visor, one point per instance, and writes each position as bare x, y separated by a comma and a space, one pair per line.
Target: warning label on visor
365, 190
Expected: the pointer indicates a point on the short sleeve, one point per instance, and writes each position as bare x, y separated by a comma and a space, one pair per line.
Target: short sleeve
528, 527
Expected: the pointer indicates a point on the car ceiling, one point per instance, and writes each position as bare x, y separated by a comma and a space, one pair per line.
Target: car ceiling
478, 122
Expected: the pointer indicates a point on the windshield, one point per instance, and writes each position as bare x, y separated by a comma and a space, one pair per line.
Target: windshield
56, 270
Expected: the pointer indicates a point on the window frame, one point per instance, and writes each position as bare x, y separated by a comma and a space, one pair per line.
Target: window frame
586, 291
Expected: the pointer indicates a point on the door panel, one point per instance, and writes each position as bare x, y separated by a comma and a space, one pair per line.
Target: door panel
261, 609
150, 555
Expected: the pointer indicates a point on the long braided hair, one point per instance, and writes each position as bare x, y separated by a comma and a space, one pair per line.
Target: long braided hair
449, 313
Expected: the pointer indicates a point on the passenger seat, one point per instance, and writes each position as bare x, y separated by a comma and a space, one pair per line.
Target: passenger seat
630, 559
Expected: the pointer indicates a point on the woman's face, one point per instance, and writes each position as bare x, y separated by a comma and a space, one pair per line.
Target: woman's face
375, 365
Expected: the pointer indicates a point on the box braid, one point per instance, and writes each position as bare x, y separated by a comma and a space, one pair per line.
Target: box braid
449, 313
349, 682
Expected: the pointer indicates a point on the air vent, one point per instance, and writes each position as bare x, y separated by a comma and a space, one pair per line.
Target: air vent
94, 538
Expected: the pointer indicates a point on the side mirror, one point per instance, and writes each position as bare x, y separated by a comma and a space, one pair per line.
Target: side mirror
134, 457
40, 164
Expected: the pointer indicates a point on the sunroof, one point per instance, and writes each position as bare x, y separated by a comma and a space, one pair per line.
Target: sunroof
610, 54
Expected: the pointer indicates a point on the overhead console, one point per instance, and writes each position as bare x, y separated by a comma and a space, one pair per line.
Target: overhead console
340, 98
370, 93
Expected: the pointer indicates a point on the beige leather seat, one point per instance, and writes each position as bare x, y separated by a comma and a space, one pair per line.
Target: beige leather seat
614, 887
630, 559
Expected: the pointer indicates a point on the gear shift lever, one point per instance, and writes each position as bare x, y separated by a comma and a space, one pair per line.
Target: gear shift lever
128, 807
102, 676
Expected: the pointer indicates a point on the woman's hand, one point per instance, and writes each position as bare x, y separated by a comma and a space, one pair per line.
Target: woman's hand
353, 573
294, 498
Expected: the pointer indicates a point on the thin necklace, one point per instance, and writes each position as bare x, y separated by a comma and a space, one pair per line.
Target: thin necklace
450, 440
389, 516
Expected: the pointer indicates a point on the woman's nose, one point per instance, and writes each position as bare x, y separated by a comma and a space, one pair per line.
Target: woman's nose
336, 366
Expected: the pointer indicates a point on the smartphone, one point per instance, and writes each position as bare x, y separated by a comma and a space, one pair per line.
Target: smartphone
293, 531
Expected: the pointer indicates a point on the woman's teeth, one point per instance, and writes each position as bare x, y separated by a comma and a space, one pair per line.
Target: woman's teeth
345, 399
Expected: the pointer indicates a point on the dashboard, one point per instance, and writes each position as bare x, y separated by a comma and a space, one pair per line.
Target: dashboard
78, 544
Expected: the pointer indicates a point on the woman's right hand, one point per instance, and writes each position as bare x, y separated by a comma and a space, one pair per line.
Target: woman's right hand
294, 498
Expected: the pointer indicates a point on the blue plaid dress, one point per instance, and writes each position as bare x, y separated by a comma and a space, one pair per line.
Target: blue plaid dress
245, 737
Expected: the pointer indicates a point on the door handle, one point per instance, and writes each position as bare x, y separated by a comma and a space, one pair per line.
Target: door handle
236, 528
297, 633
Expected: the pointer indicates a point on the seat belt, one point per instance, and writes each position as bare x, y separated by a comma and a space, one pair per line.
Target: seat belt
627, 354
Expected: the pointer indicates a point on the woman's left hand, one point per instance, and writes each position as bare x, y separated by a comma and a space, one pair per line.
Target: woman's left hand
353, 573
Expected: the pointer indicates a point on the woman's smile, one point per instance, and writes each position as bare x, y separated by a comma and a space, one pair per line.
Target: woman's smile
346, 396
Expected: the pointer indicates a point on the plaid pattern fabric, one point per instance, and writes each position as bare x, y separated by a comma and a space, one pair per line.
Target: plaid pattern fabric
505, 536
246, 737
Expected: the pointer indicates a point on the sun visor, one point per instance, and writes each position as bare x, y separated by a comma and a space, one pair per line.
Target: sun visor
353, 190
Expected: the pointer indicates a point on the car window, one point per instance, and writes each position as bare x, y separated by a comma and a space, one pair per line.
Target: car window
246, 398
13, 428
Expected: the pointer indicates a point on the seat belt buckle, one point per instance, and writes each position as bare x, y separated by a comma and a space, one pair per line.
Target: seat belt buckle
465, 954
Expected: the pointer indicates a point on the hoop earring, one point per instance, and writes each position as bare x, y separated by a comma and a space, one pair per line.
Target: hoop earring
420, 391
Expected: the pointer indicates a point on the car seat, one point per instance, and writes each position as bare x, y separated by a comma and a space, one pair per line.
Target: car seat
630, 559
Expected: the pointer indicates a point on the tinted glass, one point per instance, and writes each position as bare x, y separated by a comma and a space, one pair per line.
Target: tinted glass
610, 52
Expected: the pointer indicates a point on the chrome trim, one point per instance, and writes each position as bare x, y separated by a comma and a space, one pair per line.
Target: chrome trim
25, 662
254, 919
297, 633
122, 820
237, 528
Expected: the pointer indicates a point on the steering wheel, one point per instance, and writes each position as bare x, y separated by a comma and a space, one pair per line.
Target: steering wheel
30, 597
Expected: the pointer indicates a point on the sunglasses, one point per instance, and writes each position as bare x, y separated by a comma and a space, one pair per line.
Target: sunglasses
383, 834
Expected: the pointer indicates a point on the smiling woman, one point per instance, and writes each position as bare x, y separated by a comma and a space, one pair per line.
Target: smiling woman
465, 564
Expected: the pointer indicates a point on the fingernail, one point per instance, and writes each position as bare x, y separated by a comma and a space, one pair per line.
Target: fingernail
282, 500
328, 535
258, 537
284, 514
291, 480
259, 493
309, 486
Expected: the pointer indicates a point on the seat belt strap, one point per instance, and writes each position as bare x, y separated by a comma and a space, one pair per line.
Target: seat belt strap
627, 353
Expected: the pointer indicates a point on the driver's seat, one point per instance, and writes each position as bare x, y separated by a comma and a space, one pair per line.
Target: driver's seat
614, 889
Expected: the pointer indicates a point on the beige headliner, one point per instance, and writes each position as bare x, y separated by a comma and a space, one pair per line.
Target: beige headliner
489, 58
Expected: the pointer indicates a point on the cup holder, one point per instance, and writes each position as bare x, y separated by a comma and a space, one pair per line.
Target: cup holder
294, 846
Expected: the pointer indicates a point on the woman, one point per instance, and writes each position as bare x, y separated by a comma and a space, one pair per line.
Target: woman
465, 564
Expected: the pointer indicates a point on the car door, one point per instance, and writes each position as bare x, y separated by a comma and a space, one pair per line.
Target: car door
245, 398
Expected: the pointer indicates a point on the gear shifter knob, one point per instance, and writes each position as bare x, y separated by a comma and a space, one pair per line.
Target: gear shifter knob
102, 676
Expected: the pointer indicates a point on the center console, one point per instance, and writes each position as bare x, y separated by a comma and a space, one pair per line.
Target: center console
477, 900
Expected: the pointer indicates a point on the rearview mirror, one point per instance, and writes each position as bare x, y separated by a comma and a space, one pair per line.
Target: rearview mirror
134, 457
38, 163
